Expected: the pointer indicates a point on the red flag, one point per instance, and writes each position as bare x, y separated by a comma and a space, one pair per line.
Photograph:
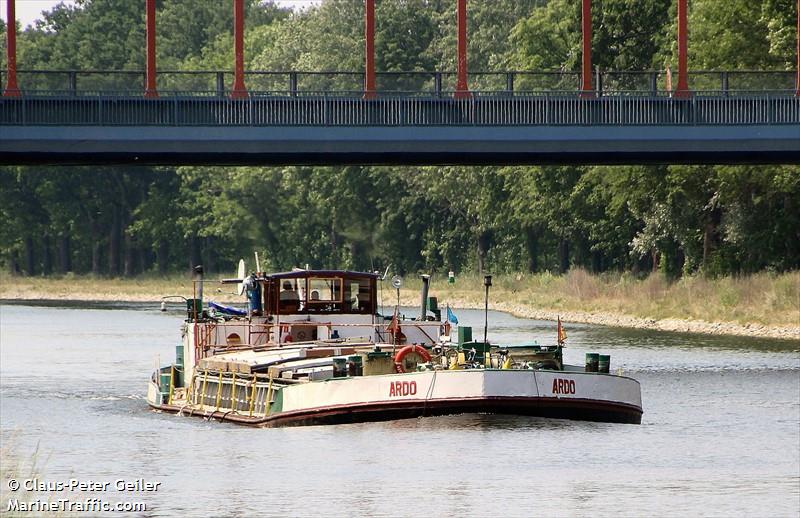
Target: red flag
394, 326
562, 335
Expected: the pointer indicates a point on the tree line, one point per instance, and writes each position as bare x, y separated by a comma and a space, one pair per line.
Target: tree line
677, 219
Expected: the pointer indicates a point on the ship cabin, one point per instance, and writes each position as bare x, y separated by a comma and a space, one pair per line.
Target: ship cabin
319, 292
310, 305
302, 309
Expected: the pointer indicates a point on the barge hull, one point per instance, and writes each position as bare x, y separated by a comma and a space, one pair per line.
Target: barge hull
574, 409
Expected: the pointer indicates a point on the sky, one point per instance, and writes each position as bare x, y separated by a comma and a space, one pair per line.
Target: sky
29, 10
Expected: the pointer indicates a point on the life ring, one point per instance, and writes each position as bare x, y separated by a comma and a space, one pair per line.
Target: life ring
405, 351
301, 335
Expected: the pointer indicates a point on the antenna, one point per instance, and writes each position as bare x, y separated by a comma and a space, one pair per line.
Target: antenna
258, 263
487, 281
397, 281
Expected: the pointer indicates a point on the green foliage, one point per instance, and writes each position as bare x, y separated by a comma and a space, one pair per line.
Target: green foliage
626, 34
733, 37
549, 38
779, 17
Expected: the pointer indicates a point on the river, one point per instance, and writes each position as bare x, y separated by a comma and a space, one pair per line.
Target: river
720, 433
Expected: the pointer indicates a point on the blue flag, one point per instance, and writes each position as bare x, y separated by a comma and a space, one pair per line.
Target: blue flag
451, 316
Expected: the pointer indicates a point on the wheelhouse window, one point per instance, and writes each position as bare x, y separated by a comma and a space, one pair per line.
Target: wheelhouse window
358, 296
324, 291
289, 295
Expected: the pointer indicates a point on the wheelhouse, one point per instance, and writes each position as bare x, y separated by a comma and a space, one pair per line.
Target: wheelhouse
319, 292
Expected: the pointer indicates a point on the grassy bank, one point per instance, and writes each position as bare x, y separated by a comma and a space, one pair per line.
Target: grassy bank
756, 303
87, 287
758, 299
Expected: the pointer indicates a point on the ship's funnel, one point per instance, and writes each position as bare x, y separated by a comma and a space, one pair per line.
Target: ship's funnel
426, 279
197, 277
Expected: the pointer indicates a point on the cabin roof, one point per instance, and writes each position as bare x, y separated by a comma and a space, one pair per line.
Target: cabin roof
303, 274
299, 274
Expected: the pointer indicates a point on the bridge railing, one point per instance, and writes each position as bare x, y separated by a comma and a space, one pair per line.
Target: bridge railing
206, 108
436, 83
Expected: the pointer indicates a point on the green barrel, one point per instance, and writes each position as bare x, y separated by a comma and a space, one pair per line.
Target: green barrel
592, 359
179, 355
178, 382
164, 380
604, 363
194, 307
464, 334
355, 367
340, 367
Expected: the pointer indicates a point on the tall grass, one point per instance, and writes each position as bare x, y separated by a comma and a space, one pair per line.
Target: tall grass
88, 287
14, 466
763, 298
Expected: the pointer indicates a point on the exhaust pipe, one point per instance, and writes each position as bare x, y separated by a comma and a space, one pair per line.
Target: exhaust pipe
426, 279
198, 281
194, 307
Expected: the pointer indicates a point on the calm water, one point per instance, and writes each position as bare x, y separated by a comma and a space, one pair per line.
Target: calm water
720, 435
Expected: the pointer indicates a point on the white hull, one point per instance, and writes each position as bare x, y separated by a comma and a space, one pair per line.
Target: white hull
565, 394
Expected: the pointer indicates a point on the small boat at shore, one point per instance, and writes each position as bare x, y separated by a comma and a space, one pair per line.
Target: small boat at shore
312, 348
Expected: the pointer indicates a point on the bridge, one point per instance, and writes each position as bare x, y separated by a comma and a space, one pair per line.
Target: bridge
513, 117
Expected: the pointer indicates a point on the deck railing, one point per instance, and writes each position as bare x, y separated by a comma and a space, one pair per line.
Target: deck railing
336, 109
434, 83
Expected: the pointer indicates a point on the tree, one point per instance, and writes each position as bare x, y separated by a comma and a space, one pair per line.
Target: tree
780, 18
733, 37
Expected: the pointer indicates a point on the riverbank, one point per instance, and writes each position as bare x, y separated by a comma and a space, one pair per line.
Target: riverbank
761, 305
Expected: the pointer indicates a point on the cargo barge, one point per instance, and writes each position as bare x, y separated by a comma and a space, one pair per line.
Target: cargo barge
311, 348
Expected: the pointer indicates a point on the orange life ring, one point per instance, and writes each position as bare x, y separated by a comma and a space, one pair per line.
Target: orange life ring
405, 351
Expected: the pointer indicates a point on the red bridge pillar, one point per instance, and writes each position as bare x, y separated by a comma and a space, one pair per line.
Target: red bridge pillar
586, 29
11, 89
683, 80
797, 79
239, 91
462, 90
369, 50
150, 29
